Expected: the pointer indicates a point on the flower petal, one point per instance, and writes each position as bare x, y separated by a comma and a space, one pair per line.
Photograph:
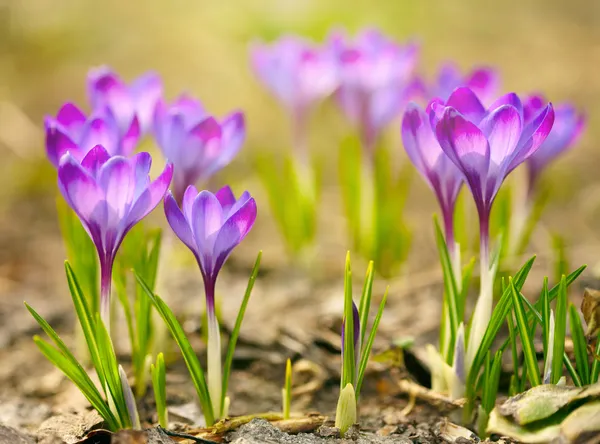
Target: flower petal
502, 129
187, 203
465, 101
58, 143
150, 197
179, 224
94, 159
533, 135
207, 219
225, 197
419, 141
509, 99
70, 116
234, 230
146, 91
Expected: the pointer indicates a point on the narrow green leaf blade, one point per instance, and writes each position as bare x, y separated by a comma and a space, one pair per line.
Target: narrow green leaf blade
579, 345
560, 331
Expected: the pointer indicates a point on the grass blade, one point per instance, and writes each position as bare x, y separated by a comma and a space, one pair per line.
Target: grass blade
560, 330
159, 377
545, 303
364, 360
533, 372
236, 330
287, 390
80, 378
580, 345
348, 359
190, 358
365, 304
512, 334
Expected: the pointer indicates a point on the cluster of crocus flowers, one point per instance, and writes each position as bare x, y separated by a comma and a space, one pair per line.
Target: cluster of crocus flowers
483, 81
211, 226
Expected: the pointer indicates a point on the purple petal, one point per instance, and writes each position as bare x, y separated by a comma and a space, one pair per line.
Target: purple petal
99, 131
233, 231
502, 129
58, 143
94, 159
226, 197
117, 179
70, 116
533, 135
509, 99
466, 102
207, 130
130, 138
418, 139
146, 91
484, 82
179, 224
207, 219
187, 203
150, 197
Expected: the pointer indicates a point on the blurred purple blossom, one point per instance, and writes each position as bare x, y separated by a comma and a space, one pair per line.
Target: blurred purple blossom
298, 73
483, 81
486, 145
196, 143
211, 226
376, 78
110, 195
440, 173
566, 131
74, 132
107, 90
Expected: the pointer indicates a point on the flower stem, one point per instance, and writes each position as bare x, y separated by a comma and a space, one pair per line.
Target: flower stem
106, 266
214, 349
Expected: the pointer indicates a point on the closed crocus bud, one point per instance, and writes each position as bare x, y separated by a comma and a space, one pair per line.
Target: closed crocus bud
73, 132
569, 123
110, 195
483, 81
376, 80
136, 100
211, 226
196, 143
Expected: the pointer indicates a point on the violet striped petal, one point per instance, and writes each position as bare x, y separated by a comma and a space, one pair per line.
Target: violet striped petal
466, 102
179, 224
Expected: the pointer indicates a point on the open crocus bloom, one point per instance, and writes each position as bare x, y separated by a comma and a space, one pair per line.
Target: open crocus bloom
110, 195
486, 145
107, 90
196, 143
73, 132
375, 80
568, 126
483, 81
211, 226
296, 72
440, 173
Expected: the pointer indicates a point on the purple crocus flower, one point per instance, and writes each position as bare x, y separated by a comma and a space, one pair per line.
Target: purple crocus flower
211, 226
110, 195
74, 132
107, 90
196, 143
568, 126
486, 145
298, 74
376, 79
483, 81
440, 173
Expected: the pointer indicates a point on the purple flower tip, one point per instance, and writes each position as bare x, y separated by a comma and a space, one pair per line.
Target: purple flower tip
211, 225
126, 102
483, 81
73, 132
487, 144
110, 194
197, 144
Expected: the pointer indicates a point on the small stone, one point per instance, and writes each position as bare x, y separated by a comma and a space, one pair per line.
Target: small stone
326, 431
387, 430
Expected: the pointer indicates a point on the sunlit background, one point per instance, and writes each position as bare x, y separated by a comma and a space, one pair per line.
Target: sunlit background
47, 48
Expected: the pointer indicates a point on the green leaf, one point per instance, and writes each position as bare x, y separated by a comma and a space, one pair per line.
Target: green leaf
512, 334
348, 359
367, 349
159, 378
287, 390
190, 358
560, 330
74, 371
236, 330
545, 302
596, 363
450, 288
110, 370
579, 345
87, 322
365, 303
533, 372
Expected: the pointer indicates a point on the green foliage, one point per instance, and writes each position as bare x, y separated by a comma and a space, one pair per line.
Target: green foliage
159, 378
189, 356
286, 392
114, 406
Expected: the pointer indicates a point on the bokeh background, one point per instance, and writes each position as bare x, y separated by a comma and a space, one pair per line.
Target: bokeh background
201, 46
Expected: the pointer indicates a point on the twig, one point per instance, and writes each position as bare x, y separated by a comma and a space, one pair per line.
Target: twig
187, 436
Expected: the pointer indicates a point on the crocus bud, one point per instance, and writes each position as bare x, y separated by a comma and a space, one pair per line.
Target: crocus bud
345, 414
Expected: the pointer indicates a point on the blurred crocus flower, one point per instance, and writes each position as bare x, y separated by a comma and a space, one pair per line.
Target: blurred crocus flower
107, 90
376, 78
74, 132
483, 81
211, 226
298, 74
568, 126
110, 195
486, 145
440, 173
196, 143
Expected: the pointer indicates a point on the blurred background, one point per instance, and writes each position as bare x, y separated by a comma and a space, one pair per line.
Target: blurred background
201, 46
